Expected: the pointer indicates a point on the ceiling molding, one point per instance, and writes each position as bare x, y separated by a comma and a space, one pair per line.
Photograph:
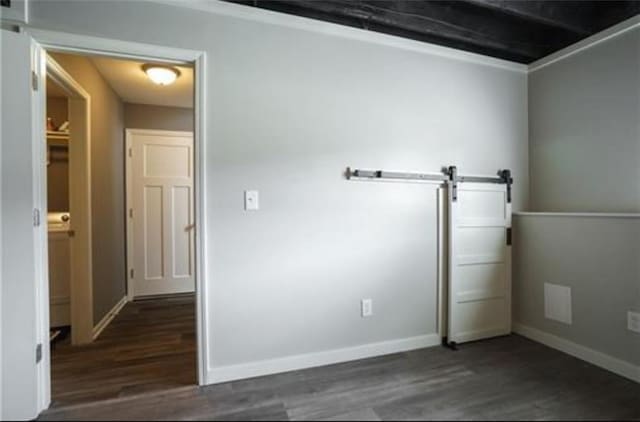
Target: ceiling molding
587, 43
312, 25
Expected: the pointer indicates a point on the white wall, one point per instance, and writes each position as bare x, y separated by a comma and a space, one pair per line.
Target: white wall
288, 111
3, 81
584, 129
598, 257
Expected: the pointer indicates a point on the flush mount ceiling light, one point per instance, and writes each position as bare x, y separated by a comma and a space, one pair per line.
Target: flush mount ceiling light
160, 74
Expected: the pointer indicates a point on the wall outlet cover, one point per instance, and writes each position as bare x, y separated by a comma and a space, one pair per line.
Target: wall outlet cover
366, 308
557, 303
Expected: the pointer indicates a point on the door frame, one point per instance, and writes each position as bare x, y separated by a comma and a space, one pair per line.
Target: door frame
84, 44
129, 133
81, 276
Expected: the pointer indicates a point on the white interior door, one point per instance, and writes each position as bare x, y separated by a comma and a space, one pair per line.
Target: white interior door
162, 212
479, 262
59, 279
24, 320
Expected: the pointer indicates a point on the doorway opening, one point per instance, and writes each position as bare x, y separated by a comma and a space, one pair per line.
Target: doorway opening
121, 171
68, 105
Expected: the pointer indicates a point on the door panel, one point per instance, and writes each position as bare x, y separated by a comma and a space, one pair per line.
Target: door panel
167, 160
20, 296
59, 276
479, 263
153, 233
181, 233
162, 202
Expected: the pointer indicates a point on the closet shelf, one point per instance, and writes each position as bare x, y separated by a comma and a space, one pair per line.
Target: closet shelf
57, 138
56, 134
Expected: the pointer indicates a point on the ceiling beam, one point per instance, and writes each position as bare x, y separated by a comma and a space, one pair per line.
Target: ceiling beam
557, 14
424, 21
516, 30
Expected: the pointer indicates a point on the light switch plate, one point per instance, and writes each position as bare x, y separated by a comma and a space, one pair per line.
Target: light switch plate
251, 200
557, 303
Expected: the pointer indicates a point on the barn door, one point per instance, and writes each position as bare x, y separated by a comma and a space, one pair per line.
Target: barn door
479, 262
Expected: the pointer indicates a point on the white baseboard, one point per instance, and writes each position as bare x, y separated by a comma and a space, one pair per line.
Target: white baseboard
106, 320
311, 360
610, 363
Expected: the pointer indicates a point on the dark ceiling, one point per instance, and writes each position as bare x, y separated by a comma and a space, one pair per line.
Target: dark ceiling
521, 31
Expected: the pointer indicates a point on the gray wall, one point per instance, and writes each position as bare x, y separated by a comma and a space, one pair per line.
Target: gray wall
144, 116
107, 184
584, 131
599, 258
287, 111
584, 140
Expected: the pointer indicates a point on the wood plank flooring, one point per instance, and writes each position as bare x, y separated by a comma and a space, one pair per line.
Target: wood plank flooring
149, 346
501, 379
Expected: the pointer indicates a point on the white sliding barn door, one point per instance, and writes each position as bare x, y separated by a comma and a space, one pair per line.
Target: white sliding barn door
161, 212
479, 262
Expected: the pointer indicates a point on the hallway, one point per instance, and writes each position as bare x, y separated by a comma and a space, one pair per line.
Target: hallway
150, 346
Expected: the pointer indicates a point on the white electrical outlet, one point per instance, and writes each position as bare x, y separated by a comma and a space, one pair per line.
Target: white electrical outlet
633, 321
366, 307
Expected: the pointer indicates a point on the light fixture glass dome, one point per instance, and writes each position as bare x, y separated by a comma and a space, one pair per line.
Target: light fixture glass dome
161, 75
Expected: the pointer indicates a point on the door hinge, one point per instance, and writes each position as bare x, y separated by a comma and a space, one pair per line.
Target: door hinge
39, 353
130, 152
509, 234
34, 80
130, 212
131, 273
36, 217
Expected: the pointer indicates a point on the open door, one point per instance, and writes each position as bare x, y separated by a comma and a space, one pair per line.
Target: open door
24, 342
479, 262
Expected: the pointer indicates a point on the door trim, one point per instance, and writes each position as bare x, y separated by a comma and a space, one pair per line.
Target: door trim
84, 44
129, 133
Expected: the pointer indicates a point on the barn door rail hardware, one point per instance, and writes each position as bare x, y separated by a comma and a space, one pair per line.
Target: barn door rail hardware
449, 175
394, 175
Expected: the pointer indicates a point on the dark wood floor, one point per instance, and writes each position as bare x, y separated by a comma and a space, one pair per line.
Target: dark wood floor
502, 379
150, 346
